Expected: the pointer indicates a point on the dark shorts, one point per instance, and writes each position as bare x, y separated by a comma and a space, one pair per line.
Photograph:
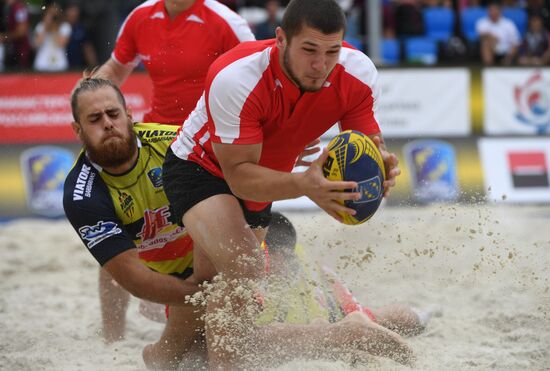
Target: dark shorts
186, 184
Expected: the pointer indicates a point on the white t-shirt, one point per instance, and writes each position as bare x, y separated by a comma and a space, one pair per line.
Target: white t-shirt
51, 57
504, 30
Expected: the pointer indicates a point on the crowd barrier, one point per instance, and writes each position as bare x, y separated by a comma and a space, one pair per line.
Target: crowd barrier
465, 135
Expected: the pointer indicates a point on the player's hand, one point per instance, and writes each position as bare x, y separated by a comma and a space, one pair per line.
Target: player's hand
310, 149
390, 164
326, 193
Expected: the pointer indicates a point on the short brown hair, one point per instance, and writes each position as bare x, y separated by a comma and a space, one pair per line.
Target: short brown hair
323, 15
90, 84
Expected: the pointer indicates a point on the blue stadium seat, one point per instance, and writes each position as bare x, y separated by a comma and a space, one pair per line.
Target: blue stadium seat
518, 16
439, 23
421, 50
468, 19
391, 51
355, 42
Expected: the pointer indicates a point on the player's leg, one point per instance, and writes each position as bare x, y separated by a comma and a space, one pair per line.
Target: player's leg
184, 330
218, 227
114, 303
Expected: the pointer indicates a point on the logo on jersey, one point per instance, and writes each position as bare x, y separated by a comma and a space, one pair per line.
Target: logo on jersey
126, 203
155, 176
533, 103
84, 182
153, 222
94, 234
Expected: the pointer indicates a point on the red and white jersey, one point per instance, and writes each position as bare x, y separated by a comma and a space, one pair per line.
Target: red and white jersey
249, 100
178, 52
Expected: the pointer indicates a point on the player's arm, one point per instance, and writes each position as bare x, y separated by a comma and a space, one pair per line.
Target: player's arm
250, 181
129, 272
114, 71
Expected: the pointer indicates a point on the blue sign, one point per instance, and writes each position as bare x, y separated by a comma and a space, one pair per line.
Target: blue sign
432, 164
44, 170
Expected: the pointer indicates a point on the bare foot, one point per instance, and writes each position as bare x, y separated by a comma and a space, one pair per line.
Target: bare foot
377, 340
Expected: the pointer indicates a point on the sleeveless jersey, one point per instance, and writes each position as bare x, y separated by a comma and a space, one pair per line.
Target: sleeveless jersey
114, 213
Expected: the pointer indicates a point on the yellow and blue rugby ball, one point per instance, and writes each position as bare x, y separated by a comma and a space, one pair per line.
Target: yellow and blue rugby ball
353, 156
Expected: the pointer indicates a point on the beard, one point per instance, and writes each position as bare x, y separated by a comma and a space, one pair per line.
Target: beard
114, 151
293, 77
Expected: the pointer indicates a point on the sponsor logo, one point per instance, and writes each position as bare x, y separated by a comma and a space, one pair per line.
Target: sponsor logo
44, 170
81, 186
94, 234
153, 222
143, 57
533, 103
529, 169
155, 176
433, 170
369, 189
126, 203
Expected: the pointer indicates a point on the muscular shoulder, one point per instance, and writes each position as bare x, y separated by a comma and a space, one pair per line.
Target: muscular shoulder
358, 66
243, 65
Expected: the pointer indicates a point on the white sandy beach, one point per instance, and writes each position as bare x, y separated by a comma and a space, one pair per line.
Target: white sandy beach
487, 267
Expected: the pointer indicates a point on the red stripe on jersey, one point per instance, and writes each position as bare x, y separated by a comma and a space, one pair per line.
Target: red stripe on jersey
171, 250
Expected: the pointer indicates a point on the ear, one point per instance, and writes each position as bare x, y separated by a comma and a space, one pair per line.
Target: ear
280, 36
129, 113
77, 129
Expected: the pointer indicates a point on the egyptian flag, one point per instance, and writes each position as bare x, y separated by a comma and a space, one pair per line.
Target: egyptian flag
528, 169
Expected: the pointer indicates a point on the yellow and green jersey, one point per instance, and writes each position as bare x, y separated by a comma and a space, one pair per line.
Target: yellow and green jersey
305, 294
114, 213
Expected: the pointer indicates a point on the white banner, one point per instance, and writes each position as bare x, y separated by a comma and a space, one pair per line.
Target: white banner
421, 102
517, 101
516, 170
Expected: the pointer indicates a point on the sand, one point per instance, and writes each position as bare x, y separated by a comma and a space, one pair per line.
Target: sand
486, 267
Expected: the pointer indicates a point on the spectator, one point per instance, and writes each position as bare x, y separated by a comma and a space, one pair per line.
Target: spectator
266, 29
408, 18
80, 51
535, 46
16, 37
540, 8
499, 37
51, 37
102, 21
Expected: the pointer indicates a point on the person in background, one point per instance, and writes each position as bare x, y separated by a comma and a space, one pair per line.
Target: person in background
80, 51
51, 37
266, 29
17, 47
176, 40
499, 37
535, 47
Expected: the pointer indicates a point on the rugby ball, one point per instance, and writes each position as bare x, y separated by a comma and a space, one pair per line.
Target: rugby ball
353, 156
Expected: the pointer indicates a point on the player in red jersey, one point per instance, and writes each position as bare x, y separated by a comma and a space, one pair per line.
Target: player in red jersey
176, 41
263, 103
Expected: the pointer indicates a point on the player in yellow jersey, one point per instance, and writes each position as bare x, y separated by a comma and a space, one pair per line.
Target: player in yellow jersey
115, 201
